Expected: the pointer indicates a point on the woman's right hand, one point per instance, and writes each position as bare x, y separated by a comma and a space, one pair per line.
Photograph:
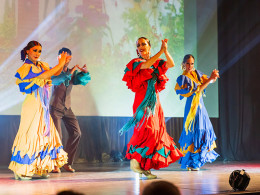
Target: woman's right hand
164, 45
63, 58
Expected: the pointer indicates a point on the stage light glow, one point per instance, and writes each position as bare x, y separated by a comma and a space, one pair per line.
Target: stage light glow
102, 35
9, 96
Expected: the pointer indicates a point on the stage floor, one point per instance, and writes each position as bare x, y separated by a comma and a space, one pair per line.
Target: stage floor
117, 179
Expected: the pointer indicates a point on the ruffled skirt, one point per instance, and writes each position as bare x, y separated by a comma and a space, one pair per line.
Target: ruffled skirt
33, 152
151, 145
198, 145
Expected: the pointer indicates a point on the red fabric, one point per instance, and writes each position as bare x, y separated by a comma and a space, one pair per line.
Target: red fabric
152, 133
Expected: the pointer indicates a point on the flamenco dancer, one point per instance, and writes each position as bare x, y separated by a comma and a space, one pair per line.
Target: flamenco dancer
197, 140
60, 106
37, 147
150, 146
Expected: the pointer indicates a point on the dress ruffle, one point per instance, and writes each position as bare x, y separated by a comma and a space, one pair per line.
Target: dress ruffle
160, 158
199, 143
37, 147
39, 164
136, 78
150, 144
27, 76
197, 160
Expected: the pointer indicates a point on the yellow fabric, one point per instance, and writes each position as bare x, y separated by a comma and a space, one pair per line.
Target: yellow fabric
192, 113
191, 148
37, 81
25, 68
195, 102
177, 87
39, 166
44, 65
30, 138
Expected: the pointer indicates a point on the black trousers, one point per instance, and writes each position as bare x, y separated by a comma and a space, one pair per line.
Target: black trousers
72, 126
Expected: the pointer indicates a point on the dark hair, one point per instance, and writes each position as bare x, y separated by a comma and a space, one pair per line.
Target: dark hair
69, 192
64, 49
186, 57
145, 39
30, 45
161, 187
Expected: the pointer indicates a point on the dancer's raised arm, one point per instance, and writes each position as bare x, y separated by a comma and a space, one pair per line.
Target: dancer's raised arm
58, 68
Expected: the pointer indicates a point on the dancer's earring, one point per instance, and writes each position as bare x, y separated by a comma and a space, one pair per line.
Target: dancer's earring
138, 53
183, 67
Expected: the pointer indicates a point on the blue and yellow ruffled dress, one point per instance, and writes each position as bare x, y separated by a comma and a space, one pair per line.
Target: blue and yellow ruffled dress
197, 140
37, 147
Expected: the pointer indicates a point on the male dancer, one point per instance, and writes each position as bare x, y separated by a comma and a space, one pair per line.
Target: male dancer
60, 106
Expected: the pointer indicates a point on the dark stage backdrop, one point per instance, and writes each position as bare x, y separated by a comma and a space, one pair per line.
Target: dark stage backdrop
239, 52
100, 138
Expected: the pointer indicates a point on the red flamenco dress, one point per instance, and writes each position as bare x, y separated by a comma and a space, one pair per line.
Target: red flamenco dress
150, 144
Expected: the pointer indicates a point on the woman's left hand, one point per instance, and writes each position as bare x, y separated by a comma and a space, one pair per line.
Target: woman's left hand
83, 68
164, 45
214, 75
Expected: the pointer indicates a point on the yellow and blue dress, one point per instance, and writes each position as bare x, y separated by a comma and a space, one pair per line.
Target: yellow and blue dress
197, 140
37, 147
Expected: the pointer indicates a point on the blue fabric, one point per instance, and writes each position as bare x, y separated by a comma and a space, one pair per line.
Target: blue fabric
23, 85
203, 134
197, 160
78, 78
183, 80
26, 160
30, 75
81, 78
61, 78
146, 107
162, 152
135, 64
29, 90
143, 151
126, 69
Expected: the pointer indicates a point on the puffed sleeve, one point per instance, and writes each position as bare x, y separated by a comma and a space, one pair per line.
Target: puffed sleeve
160, 71
202, 77
81, 78
61, 78
185, 87
134, 76
27, 78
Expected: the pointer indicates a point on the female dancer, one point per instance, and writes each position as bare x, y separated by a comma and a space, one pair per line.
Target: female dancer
37, 147
150, 146
197, 140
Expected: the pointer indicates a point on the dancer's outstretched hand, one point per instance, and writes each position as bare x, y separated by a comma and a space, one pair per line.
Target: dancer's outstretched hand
73, 69
214, 75
63, 58
164, 45
83, 68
